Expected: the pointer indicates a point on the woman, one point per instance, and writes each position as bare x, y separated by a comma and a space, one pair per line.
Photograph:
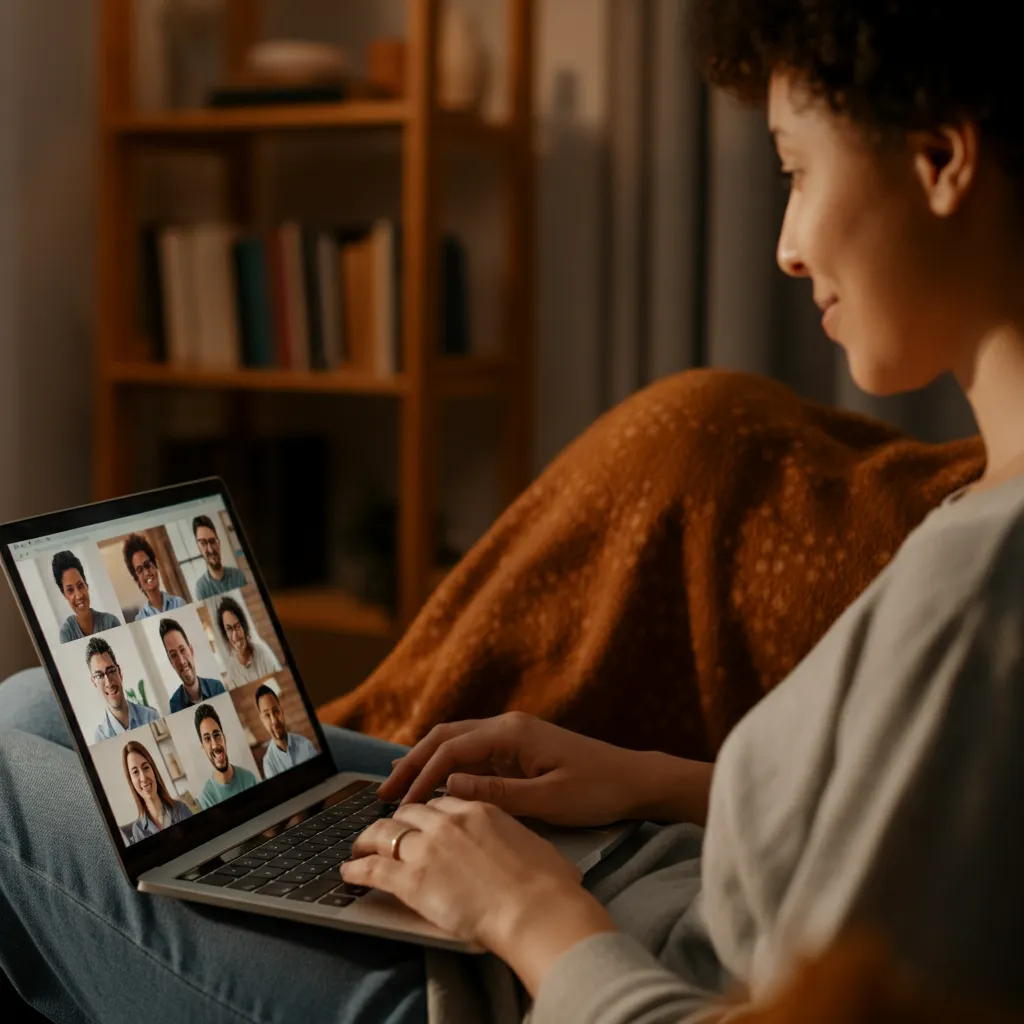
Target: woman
874, 786
141, 561
69, 575
250, 658
157, 808
880, 782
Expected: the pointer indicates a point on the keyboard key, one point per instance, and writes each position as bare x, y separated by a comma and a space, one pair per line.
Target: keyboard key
313, 846
279, 845
247, 884
216, 878
300, 876
233, 869
333, 900
277, 888
345, 889
311, 891
268, 872
249, 862
285, 861
324, 860
261, 853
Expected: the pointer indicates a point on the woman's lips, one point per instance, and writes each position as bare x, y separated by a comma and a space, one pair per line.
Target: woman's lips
828, 316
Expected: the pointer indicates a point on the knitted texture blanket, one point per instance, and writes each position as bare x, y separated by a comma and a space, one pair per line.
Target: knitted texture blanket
669, 568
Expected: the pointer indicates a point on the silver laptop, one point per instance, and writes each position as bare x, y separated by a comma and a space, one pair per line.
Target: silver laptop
191, 719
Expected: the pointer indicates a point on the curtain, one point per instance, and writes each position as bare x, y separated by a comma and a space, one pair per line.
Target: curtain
693, 208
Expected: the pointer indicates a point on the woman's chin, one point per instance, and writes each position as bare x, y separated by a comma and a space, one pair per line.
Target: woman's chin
882, 380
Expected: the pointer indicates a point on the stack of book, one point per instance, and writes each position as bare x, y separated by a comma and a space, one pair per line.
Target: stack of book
296, 297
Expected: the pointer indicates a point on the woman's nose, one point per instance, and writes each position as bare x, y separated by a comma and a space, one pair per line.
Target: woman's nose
789, 260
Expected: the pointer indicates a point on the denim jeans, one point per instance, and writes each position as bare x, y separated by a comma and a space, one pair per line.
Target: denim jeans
80, 944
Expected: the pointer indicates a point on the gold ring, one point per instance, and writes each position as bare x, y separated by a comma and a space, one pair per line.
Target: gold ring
398, 838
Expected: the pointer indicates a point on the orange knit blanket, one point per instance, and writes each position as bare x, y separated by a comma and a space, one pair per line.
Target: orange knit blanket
670, 567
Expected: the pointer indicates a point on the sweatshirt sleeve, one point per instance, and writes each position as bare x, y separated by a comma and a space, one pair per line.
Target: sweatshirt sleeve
611, 979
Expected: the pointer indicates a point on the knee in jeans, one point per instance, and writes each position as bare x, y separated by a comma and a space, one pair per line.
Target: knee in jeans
26, 700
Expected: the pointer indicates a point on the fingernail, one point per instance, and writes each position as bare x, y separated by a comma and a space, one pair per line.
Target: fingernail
396, 760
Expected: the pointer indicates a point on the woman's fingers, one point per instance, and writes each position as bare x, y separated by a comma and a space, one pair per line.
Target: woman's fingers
405, 769
478, 746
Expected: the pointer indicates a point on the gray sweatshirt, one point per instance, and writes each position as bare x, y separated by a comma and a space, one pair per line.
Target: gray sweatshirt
882, 782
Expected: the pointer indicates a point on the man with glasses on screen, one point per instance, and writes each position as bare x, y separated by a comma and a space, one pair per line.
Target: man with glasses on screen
218, 578
121, 714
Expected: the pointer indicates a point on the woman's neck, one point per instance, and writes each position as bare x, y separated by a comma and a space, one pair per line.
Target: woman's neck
993, 381
155, 810
155, 599
86, 620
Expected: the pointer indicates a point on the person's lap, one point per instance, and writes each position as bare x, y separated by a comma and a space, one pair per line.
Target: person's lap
80, 944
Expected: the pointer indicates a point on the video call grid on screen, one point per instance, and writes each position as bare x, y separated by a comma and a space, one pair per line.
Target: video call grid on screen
147, 620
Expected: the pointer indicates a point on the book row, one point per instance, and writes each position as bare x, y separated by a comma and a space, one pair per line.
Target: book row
296, 296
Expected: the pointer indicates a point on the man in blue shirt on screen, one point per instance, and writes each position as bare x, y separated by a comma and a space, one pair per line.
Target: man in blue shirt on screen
121, 714
141, 561
218, 578
181, 654
286, 749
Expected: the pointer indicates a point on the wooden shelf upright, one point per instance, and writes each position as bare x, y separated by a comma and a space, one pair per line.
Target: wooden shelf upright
427, 378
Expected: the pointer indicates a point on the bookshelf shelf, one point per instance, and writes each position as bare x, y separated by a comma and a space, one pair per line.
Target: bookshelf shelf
178, 124
422, 131
340, 381
330, 609
458, 376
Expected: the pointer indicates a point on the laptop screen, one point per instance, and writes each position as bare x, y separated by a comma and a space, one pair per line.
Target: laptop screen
169, 660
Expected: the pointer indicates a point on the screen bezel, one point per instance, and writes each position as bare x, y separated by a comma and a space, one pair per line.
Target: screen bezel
173, 842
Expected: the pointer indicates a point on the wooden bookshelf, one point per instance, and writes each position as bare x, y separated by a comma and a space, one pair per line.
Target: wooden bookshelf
457, 376
423, 133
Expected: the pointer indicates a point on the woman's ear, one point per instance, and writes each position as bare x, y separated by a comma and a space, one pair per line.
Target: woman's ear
946, 164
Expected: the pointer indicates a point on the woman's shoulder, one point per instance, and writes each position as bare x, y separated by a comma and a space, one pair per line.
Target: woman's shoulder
181, 809
960, 552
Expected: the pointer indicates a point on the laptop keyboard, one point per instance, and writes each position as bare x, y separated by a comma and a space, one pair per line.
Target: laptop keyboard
301, 862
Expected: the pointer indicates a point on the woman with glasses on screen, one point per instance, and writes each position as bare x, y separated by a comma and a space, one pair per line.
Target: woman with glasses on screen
157, 808
250, 658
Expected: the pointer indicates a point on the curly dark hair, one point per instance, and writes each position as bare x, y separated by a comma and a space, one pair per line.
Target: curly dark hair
229, 604
62, 562
890, 66
134, 544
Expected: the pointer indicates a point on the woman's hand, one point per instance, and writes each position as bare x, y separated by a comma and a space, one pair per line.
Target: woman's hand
524, 765
479, 874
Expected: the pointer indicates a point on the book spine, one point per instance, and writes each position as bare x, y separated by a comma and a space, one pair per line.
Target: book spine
384, 297
178, 291
254, 305
329, 275
311, 293
279, 299
217, 336
358, 283
295, 296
